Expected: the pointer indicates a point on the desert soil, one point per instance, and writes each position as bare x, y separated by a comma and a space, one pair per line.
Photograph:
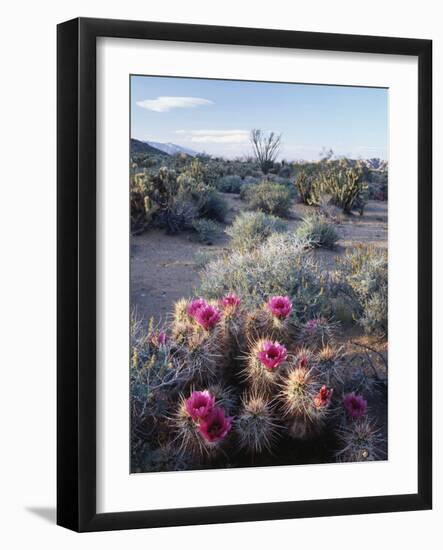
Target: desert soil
163, 266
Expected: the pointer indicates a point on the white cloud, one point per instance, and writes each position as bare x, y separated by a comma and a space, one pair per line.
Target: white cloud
215, 136
163, 104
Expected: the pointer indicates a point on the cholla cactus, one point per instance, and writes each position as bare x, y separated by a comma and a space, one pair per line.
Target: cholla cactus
304, 402
256, 424
264, 364
309, 188
360, 441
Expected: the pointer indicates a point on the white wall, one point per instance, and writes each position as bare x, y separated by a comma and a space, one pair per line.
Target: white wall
27, 292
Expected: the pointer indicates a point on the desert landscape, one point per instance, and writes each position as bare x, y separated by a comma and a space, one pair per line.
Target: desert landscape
259, 311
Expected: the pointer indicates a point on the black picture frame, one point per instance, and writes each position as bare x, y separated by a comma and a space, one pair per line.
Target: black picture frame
76, 265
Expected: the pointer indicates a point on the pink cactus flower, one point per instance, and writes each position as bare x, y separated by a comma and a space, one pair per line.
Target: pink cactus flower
272, 354
215, 426
230, 301
280, 306
195, 305
355, 405
199, 404
323, 398
207, 316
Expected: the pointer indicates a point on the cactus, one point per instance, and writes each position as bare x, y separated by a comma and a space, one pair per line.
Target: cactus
200, 425
360, 441
264, 363
309, 188
248, 380
225, 397
260, 323
317, 332
187, 438
256, 425
329, 363
346, 189
304, 402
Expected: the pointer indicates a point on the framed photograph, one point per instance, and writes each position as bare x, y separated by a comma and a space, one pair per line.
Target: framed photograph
244, 274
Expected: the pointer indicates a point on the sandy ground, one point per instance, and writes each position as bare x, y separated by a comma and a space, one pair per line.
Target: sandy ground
163, 266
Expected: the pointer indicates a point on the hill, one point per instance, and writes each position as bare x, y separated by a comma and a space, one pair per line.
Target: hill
138, 146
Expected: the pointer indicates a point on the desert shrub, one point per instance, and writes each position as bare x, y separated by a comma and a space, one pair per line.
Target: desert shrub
245, 190
364, 273
318, 230
271, 198
206, 230
211, 205
250, 229
250, 180
203, 257
229, 184
281, 265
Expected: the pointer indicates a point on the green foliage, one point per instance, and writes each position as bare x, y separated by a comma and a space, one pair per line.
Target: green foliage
207, 230
250, 229
271, 198
318, 230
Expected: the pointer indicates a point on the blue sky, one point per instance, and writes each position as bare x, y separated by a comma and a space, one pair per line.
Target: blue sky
216, 116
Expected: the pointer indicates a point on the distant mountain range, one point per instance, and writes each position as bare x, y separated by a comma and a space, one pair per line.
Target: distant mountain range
155, 147
138, 146
172, 148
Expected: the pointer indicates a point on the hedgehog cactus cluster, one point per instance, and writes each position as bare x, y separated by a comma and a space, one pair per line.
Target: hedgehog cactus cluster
238, 381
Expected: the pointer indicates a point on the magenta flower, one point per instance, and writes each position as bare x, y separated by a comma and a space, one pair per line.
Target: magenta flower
215, 426
207, 316
199, 404
280, 306
323, 398
272, 354
230, 301
195, 305
355, 405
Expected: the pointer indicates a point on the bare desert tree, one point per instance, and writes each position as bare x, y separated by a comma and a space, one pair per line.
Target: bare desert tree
265, 147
